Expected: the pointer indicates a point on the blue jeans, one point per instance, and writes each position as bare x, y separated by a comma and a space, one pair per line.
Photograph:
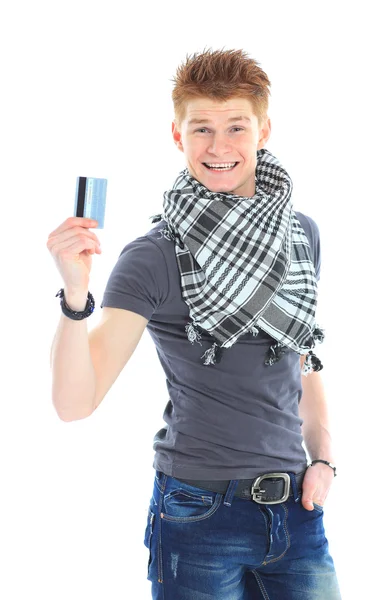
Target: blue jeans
209, 546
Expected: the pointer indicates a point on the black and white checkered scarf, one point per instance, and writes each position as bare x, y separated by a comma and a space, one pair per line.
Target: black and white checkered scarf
245, 264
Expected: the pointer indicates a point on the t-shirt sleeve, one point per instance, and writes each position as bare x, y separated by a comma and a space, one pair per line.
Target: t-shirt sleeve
316, 247
313, 234
139, 280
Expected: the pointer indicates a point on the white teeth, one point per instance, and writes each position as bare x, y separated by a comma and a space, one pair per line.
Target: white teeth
222, 165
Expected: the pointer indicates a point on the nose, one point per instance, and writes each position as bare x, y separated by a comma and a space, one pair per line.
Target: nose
219, 144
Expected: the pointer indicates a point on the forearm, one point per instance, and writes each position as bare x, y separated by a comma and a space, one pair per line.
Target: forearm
73, 375
316, 429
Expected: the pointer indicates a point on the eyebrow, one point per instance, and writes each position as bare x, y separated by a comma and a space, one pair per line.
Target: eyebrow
198, 121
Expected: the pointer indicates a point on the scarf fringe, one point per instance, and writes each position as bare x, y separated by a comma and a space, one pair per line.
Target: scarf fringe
318, 334
156, 218
213, 355
312, 363
167, 234
193, 333
276, 351
171, 236
209, 355
274, 354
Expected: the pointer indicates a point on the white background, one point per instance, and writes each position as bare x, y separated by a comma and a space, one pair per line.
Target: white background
86, 90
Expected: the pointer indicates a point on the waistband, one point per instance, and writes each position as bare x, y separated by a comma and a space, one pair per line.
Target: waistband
267, 487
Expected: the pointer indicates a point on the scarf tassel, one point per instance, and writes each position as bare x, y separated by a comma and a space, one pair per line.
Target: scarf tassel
156, 218
172, 236
213, 355
312, 363
193, 333
318, 334
274, 354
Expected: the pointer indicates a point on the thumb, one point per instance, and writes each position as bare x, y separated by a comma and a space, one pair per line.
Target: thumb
307, 503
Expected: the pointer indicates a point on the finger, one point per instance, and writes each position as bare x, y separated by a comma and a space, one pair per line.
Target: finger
307, 503
63, 229
319, 501
68, 234
73, 222
66, 249
308, 493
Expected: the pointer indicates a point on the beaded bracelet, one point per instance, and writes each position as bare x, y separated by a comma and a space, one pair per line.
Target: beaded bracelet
74, 314
326, 463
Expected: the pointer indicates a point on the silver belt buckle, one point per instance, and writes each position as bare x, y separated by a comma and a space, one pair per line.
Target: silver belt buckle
256, 490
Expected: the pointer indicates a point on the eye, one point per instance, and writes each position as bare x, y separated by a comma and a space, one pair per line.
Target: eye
204, 129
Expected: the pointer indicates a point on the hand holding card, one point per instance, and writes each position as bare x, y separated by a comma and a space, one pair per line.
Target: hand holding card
72, 244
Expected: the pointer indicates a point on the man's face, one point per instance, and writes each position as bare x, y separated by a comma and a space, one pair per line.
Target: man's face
225, 132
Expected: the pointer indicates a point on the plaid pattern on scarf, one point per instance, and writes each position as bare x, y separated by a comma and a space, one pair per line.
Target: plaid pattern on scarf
245, 263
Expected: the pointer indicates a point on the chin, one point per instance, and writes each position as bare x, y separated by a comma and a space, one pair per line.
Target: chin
229, 188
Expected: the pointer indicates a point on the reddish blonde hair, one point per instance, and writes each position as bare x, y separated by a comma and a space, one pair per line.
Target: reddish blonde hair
220, 75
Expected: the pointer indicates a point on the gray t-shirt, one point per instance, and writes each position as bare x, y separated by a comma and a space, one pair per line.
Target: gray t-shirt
233, 420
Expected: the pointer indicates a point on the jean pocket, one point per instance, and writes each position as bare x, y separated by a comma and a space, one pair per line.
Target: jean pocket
317, 507
188, 504
148, 536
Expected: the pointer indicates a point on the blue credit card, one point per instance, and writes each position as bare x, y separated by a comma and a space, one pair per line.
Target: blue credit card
90, 199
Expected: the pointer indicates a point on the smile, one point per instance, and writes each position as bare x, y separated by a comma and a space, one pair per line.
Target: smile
219, 167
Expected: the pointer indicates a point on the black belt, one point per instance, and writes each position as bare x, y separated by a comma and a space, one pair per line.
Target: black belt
270, 488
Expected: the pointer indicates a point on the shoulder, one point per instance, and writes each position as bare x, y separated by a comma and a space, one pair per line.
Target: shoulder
310, 227
150, 248
152, 253
139, 279
312, 232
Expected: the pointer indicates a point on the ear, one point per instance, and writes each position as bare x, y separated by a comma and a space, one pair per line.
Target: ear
264, 133
177, 137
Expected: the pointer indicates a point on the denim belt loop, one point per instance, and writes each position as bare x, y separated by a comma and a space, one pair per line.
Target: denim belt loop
294, 487
230, 492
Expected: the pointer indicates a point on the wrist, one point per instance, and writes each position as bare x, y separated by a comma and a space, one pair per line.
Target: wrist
318, 462
76, 300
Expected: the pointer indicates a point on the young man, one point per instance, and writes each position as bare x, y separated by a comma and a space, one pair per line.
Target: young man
226, 283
